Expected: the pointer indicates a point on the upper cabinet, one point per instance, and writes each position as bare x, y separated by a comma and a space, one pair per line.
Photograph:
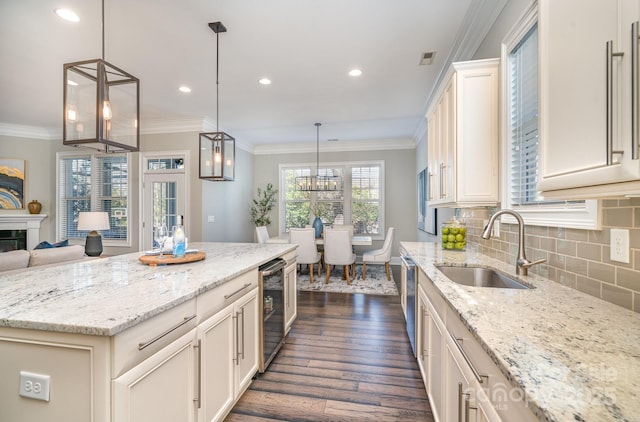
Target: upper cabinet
589, 98
462, 127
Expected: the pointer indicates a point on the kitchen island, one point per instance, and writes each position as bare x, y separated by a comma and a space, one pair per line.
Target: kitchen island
565, 355
101, 328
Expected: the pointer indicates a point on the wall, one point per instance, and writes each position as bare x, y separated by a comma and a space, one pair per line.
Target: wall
400, 185
575, 258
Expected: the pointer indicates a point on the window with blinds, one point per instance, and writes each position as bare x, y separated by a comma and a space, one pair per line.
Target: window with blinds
360, 203
93, 183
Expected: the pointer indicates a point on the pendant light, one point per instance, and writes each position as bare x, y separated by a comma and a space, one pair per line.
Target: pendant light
100, 106
217, 149
317, 182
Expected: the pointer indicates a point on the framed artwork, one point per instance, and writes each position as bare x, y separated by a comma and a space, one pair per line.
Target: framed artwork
11, 184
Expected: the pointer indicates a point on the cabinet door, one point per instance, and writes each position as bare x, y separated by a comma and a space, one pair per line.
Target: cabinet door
433, 157
436, 363
216, 336
422, 335
573, 93
246, 344
448, 139
161, 388
290, 296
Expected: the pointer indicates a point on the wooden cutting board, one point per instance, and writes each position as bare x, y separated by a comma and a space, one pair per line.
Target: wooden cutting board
155, 260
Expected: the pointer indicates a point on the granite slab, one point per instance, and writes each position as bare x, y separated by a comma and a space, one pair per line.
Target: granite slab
575, 357
108, 295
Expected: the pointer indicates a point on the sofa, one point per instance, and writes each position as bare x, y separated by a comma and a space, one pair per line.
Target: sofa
14, 260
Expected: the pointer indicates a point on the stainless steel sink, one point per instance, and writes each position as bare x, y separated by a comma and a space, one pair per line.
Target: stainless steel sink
480, 277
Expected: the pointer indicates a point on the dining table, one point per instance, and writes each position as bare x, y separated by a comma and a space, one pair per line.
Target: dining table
356, 240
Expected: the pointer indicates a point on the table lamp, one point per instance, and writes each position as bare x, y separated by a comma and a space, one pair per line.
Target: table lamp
93, 221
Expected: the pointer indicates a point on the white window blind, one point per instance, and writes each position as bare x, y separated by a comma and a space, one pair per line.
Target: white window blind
93, 183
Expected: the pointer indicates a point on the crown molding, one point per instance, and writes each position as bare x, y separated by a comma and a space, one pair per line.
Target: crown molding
31, 132
340, 146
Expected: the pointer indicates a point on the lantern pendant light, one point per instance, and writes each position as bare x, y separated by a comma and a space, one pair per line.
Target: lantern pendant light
101, 108
319, 183
217, 149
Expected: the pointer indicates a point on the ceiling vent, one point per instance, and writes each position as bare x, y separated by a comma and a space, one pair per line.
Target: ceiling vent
427, 58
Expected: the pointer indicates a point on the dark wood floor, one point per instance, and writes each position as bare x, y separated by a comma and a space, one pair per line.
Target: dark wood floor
347, 358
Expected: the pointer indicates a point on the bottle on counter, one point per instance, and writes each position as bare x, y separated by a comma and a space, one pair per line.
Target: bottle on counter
179, 239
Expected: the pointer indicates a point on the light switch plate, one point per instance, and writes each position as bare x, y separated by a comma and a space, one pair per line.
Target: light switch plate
620, 245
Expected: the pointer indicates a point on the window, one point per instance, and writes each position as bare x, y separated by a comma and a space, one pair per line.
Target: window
93, 183
520, 137
360, 203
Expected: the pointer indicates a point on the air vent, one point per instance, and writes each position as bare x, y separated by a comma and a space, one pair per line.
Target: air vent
427, 58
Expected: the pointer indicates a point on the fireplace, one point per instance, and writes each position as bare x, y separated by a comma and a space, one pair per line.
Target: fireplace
11, 240
17, 223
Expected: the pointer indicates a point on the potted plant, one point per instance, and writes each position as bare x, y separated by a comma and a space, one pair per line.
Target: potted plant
319, 210
263, 204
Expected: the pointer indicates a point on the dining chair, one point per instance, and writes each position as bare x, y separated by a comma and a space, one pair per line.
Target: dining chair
307, 251
263, 234
379, 256
344, 227
337, 251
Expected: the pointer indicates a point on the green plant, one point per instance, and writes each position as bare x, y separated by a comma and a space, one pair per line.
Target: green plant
263, 204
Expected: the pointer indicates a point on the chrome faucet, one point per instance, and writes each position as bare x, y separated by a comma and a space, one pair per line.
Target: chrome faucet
522, 263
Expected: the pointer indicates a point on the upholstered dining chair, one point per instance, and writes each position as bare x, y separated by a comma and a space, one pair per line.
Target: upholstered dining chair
344, 227
379, 256
263, 234
307, 251
337, 251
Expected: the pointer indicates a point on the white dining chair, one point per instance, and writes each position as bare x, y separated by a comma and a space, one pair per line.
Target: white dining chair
379, 256
263, 234
344, 227
337, 251
307, 250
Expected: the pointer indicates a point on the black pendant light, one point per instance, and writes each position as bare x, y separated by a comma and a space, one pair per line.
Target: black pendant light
100, 106
319, 183
217, 149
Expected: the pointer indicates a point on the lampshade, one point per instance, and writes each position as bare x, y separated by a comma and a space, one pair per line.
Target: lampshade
100, 106
93, 221
318, 182
217, 149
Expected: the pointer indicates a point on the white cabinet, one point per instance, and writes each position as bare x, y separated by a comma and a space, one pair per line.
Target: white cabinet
290, 293
586, 104
462, 137
463, 383
228, 356
161, 388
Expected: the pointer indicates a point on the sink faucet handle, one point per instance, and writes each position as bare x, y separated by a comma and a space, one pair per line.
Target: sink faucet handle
527, 263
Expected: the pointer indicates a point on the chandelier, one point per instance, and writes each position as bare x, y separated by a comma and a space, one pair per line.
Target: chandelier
319, 183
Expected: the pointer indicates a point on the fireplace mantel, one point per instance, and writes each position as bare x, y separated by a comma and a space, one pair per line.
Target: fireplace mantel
29, 222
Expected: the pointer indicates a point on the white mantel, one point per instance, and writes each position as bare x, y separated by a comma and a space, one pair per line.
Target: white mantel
29, 222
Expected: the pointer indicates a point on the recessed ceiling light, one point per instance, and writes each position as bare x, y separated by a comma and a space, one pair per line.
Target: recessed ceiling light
184, 89
355, 72
265, 81
67, 14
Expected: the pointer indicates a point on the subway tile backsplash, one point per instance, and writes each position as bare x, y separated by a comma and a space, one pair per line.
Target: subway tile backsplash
575, 258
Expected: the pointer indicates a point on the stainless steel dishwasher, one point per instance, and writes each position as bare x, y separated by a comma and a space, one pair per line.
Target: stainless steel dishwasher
409, 274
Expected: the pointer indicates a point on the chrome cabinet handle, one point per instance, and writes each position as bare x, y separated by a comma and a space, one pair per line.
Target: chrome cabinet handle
146, 344
609, 95
429, 187
467, 407
198, 400
635, 81
237, 291
242, 313
442, 184
464, 397
237, 358
477, 376
425, 319
460, 402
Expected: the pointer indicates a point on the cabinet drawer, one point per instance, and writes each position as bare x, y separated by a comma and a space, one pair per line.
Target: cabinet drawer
291, 257
437, 301
132, 346
216, 299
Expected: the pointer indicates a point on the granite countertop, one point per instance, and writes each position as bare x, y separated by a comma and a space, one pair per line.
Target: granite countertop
108, 295
575, 357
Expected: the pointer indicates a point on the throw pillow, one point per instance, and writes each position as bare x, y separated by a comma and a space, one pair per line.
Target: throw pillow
47, 245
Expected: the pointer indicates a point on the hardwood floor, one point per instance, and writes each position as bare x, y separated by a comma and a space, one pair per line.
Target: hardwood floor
347, 358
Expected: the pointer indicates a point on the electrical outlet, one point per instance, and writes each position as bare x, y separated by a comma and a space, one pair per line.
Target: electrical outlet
211, 219
34, 386
620, 245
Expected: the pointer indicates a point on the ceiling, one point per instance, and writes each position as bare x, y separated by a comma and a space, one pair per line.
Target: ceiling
306, 48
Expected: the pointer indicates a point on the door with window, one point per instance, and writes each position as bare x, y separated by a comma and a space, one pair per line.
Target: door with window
164, 194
